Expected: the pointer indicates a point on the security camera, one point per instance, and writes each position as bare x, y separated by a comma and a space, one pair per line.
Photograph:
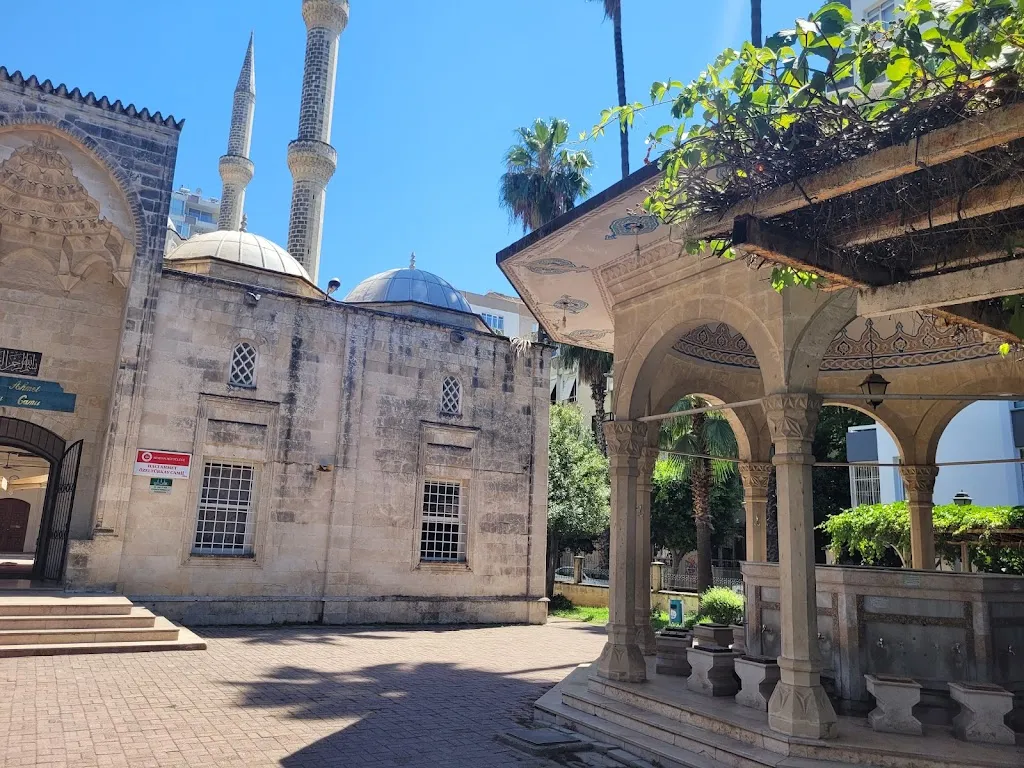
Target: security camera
332, 285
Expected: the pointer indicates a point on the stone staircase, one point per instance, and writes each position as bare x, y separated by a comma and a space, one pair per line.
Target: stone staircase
657, 723
50, 623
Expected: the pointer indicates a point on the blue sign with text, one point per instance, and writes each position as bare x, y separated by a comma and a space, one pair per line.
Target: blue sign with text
32, 393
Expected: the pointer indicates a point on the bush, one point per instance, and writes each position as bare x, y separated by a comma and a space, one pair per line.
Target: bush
722, 606
689, 620
560, 603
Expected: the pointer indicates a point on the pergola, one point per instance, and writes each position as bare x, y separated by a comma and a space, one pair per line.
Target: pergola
913, 290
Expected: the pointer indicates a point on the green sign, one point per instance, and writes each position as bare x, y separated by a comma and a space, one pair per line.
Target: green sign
35, 394
160, 484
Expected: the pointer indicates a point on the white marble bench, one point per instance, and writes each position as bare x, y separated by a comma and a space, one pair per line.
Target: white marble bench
983, 709
895, 698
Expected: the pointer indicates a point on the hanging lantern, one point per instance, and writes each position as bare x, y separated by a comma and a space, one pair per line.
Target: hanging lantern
876, 385
962, 499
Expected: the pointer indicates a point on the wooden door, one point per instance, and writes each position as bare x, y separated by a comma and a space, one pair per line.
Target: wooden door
13, 524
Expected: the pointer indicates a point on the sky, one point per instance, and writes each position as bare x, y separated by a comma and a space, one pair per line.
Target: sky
428, 96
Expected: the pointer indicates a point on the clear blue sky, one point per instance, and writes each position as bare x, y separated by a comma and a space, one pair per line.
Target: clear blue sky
428, 96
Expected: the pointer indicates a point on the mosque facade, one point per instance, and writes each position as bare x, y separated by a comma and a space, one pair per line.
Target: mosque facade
222, 440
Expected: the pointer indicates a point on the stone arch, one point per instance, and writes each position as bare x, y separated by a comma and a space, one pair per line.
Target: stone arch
937, 417
803, 364
889, 420
635, 382
75, 135
748, 424
33, 437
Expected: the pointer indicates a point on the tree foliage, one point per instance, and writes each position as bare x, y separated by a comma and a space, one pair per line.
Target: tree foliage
672, 523
578, 489
871, 529
593, 366
543, 179
812, 97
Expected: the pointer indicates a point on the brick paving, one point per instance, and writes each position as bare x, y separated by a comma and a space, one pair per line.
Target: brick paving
293, 696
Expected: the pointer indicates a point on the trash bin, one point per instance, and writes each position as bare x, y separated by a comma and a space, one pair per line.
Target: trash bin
675, 611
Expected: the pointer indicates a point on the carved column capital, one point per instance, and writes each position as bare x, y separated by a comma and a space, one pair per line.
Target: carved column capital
919, 478
626, 440
792, 418
645, 464
755, 476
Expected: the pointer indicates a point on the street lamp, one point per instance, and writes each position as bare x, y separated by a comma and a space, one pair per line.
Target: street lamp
962, 499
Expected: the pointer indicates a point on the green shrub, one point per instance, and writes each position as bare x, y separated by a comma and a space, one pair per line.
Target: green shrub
560, 603
722, 606
689, 620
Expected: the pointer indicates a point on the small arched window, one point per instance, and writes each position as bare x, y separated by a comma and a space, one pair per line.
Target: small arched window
451, 396
242, 372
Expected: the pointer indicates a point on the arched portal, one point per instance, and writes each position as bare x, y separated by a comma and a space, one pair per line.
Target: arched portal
55, 521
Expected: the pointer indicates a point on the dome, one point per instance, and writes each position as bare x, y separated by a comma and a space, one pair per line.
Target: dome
410, 284
242, 248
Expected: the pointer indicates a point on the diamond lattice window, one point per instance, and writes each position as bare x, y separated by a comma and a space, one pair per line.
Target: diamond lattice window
243, 366
451, 396
225, 521
443, 530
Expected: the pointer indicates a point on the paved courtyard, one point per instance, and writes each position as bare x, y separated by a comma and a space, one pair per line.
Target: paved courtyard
295, 696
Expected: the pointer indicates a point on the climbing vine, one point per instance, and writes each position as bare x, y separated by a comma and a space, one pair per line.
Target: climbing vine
827, 91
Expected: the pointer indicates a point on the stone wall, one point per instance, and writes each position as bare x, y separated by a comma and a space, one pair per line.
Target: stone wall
79, 294
344, 425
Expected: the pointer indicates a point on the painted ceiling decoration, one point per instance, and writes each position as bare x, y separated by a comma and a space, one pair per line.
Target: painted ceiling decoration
573, 306
553, 267
632, 225
588, 334
911, 341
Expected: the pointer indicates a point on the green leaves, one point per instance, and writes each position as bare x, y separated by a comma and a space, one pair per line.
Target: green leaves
806, 90
578, 490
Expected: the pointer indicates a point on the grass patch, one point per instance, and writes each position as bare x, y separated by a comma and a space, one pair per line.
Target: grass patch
582, 613
600, 615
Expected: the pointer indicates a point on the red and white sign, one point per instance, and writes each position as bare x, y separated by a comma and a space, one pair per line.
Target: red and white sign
163, 464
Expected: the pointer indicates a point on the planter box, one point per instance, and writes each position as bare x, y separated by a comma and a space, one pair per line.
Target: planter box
712, 671
758, 677
672, 645
713, 635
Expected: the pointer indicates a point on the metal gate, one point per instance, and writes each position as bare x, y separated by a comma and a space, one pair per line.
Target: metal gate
61, 499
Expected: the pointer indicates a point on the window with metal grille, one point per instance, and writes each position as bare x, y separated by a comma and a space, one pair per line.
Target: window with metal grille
243, 366
451, 396
225, 521
443, 530
865, 485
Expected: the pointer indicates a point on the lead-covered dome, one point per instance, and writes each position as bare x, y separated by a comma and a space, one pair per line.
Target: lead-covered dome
242, 248
410, 284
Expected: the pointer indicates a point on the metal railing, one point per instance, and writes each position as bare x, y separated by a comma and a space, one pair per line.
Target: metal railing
687, 582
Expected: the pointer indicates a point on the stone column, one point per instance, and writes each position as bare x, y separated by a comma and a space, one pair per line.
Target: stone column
755, 476
798, 706
642, 557
622, 659
577, 569
919, 481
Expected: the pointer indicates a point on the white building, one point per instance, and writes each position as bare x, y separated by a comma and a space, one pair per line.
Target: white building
193, 214
983, 431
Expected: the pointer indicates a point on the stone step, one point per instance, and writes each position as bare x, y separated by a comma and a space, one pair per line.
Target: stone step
644, 719
186, 641
160, 630
138, 618
64, 605
550, 708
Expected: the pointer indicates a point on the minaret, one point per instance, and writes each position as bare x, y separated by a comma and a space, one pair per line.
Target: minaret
311, 158
236, 168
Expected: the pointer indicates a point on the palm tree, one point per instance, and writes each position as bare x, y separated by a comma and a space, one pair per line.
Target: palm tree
613, 11
755, 22
542, 178
701, 434
593, 367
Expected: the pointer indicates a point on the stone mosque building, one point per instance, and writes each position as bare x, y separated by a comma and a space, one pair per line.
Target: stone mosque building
198, 426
